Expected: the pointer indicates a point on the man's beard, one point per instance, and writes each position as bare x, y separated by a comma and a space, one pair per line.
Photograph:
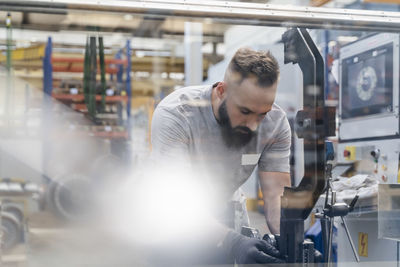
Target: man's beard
234, 137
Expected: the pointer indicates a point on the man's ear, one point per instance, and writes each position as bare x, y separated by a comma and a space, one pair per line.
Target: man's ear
221, 90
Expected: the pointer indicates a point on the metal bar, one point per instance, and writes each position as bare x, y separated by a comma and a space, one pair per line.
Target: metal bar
86, 73
128, 77
48, 68
81, 69
45, 10
9, 42
81, 60
326, 57
331, 222
2, 233
324, 229
350, 240
235, 12
120, 68
92, 75
102, 73
297, 202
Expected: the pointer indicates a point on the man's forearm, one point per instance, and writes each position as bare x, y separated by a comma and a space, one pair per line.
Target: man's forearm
272, 211
272, 186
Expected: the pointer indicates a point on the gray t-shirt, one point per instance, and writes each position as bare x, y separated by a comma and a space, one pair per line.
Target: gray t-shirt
184, 126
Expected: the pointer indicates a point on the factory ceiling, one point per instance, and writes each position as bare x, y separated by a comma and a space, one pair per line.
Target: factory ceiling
135, 25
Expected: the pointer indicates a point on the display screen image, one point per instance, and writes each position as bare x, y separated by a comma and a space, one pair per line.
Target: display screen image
367, 83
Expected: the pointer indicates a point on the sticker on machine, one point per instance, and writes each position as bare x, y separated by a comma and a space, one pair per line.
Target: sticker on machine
363, 244
250, 159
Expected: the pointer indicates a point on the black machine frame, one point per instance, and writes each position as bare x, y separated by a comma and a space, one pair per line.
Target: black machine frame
314, 123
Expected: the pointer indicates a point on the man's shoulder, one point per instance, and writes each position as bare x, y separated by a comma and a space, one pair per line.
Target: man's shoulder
275, 121
186, 100
276, 113
185, 96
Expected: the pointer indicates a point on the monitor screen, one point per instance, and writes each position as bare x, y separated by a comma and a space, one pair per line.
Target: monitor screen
367, 82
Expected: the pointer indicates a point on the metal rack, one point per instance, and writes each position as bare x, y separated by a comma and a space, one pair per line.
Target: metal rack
117, 66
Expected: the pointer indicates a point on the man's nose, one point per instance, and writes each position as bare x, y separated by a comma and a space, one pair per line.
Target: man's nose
252, 124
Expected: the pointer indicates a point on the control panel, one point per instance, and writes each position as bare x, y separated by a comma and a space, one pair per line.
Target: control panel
369, 88
379, 158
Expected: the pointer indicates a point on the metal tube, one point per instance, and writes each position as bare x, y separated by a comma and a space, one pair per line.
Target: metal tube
350, 240
1, 235
9, 42
234, 12
331, 221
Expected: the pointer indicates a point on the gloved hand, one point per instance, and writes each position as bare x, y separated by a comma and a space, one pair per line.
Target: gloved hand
247, 250
318, 257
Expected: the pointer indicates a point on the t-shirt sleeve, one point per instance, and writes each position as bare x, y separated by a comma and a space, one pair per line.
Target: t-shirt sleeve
275, 156
169, 134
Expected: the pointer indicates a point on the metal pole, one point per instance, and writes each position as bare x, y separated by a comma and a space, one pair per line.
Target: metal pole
9, 41
350, 240
331, 224
229, 12
128, 77
331, 221
1, 237
48, 69
8, 107
193, 55
326, 56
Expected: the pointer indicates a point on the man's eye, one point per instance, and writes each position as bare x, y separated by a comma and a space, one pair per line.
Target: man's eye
245, 112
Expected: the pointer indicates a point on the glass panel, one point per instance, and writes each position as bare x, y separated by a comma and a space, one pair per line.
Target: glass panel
129, 136
388, 211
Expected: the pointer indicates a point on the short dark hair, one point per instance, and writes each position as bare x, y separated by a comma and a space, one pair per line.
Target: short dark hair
261, 64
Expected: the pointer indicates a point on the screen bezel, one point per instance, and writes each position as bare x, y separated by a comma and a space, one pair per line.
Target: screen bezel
372, 109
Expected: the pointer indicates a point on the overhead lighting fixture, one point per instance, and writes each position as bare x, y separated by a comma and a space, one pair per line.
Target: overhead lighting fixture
128, 17
347, 39
208, 21
143, 53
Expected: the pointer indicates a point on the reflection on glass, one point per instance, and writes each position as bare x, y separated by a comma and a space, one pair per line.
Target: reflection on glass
79, 91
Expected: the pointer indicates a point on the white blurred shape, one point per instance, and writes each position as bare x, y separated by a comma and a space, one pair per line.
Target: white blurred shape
161, 206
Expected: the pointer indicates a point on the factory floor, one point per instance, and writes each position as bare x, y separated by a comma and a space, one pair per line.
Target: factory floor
51, 243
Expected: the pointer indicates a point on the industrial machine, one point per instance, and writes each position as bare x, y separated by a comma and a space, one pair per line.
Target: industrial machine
369, 142
314, 123
369, 105
368, 146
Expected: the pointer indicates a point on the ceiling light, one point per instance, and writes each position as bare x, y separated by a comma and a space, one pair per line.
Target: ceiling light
128, 17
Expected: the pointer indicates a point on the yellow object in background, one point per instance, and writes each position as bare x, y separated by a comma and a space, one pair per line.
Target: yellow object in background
251, 204
398, 176
29, 53
352, 152
363, 244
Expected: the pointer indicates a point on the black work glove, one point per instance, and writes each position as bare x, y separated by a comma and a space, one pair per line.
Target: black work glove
318, 257
247, 250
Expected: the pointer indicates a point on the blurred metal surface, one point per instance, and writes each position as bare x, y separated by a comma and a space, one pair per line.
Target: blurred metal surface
229, 12
389, 211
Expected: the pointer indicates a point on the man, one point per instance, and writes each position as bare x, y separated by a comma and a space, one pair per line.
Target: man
226, 131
